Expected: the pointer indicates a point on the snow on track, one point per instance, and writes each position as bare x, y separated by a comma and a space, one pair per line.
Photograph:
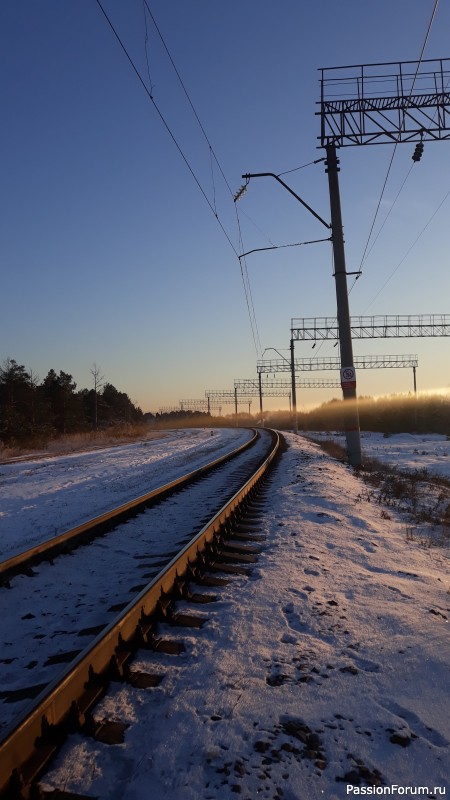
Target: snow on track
58, 608
46, 497
328, 669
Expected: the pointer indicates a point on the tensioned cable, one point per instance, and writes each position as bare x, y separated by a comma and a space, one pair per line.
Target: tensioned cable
146, 54
246, 279
397, 195
396, 144
263, 233
281, 246
335, 319
248, 292
408, 251
402, 259
386, 217
163, 120
187, 94
296, 169
244, 272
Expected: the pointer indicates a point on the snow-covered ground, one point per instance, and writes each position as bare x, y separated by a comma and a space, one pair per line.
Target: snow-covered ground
45, 497
323, 673
407, 450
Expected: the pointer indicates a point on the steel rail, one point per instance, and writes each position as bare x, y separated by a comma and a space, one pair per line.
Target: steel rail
30, 742
97, 526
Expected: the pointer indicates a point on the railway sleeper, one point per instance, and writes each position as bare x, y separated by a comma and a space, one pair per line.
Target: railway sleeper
170, 647
147, 639
183, 620
210, 580
106, 731
241, 536
248, 529
195, 577
183, 587
232, 546
233, 556
144, 680
169, 614
230, 569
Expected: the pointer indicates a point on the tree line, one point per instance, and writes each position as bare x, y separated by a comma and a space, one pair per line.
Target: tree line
34, 409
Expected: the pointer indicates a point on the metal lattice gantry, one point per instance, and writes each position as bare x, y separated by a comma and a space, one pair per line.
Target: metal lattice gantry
225, 396
374, 327
393, 102
198, 405
256, 387
287, 385
272, 388
230, 396
273, 366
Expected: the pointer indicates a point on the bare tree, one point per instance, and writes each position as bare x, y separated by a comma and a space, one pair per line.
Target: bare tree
99, 382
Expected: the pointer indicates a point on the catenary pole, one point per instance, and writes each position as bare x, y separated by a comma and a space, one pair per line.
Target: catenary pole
294, 393
261, 399
351, 415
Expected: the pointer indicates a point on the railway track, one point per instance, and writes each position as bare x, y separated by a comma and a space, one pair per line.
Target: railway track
167, 538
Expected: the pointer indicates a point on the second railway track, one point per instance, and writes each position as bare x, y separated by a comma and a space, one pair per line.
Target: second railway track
103, 592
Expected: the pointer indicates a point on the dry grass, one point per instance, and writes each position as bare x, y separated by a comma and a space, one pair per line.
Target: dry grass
420, 495
77, 442
332, 448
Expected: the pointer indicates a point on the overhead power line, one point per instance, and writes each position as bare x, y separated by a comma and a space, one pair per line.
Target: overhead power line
165, 123
187, 94
366, 252
408, 251
212, 205
243, 267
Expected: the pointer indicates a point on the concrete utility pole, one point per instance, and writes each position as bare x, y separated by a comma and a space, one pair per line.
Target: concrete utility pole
352, 431
294, 392
260, 399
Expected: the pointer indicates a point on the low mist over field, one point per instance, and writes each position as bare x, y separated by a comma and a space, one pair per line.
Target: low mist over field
392, 414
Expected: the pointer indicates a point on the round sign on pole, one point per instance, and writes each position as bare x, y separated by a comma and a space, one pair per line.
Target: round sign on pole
348, 378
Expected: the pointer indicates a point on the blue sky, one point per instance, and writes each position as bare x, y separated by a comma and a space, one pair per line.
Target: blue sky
110, 251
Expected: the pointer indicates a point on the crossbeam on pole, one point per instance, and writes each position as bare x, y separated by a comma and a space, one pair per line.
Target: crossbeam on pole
388, 103
316, 364
394, 326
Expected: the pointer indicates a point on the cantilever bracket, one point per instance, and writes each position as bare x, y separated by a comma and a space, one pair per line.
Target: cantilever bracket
291, 191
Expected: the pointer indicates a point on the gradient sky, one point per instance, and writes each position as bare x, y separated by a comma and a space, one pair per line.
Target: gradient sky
110, 251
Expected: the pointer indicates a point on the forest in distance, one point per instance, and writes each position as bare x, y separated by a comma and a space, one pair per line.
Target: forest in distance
34, 412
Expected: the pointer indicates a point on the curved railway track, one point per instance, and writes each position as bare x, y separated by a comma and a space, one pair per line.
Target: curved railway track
189, 540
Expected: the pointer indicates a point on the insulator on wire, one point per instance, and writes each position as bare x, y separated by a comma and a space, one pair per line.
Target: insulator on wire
240, 192
417, 155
